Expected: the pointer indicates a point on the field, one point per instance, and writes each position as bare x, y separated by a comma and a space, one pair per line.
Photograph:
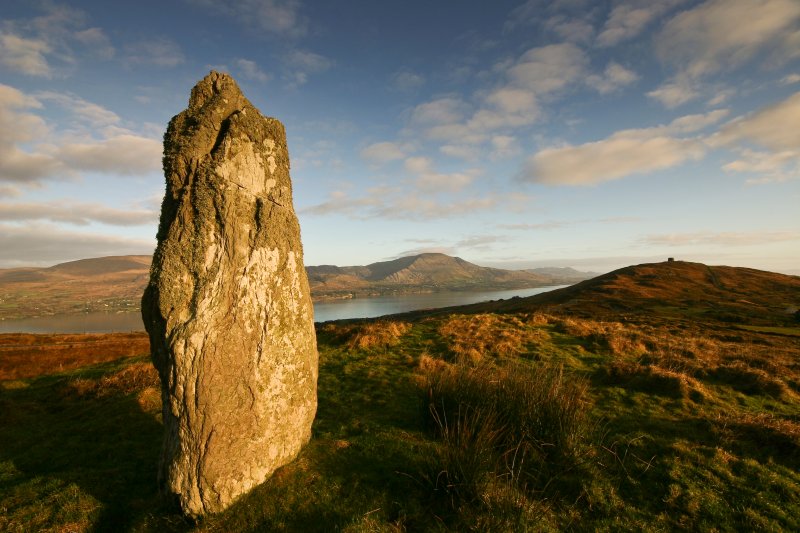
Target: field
442, 422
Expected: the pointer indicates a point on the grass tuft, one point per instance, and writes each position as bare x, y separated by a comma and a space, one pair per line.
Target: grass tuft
524, 426
368, 335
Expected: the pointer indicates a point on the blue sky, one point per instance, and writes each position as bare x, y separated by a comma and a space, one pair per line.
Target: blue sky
570, 133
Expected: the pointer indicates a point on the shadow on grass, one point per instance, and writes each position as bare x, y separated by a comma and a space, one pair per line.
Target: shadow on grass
107, 447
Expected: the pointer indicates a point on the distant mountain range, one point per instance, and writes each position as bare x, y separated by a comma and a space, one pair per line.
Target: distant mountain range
428, 273
116, 283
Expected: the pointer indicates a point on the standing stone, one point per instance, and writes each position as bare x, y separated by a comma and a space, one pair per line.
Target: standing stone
228, 307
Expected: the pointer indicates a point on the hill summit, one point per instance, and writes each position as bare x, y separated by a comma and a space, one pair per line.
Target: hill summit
679, 289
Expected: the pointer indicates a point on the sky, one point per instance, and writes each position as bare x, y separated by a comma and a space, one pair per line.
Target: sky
584, 133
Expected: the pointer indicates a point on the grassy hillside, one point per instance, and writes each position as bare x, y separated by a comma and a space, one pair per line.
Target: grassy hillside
512, 421
677, 290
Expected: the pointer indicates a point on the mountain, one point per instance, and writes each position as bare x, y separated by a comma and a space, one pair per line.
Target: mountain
674, 289
419, 273
116, 283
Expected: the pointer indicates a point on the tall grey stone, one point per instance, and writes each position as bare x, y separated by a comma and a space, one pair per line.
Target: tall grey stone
228, 307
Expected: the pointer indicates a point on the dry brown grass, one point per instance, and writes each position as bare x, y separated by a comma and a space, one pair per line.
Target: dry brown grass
676, 363
134, 378
470, 338
26, 355
368, 336
655, 380
749, 380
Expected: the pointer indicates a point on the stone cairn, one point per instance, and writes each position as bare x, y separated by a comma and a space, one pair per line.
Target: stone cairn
228, 307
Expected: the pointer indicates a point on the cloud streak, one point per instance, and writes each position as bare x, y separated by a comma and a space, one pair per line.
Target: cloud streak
46, 244
625, 153
727, 239
76, 213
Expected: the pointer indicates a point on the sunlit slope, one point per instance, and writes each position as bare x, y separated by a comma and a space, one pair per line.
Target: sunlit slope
675, 288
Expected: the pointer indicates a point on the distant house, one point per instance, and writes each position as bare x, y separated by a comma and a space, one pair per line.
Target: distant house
670, 259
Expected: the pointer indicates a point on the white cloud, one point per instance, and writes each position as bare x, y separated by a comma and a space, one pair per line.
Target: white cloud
9, 191
399, 204
91, 113
625, 153
96, 42
42, 244
45, 45
767, 167
18, 127
480, 242
705, 238
78, 213
449, 250
307, 61
281, 18
415, 206
339, 202
609, 159
406, 80
790, 79
427, 179
161, 52
251, 71
383, 152
504, 108
504, 146
774, 127
692, 123
120, 154
614, 78
723, 34
301, 63
447, 110
629, 18
550, 68
570, 28
32, 151
538, 226
25, 55
674, 93
721, 97
460, 151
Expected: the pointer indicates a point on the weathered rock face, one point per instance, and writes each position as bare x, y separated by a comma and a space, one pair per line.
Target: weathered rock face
228, 307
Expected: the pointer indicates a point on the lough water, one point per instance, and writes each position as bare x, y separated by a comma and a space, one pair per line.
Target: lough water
100, 322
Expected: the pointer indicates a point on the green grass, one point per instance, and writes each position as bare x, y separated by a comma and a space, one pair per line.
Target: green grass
794, 332
659, 443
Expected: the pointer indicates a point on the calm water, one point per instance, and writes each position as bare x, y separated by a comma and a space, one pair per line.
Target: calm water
323, 311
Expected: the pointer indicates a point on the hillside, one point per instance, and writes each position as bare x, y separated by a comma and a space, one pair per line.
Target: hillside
674, 289
105, 283
116, 283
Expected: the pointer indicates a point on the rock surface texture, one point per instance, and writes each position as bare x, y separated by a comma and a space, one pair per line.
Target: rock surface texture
228, 308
